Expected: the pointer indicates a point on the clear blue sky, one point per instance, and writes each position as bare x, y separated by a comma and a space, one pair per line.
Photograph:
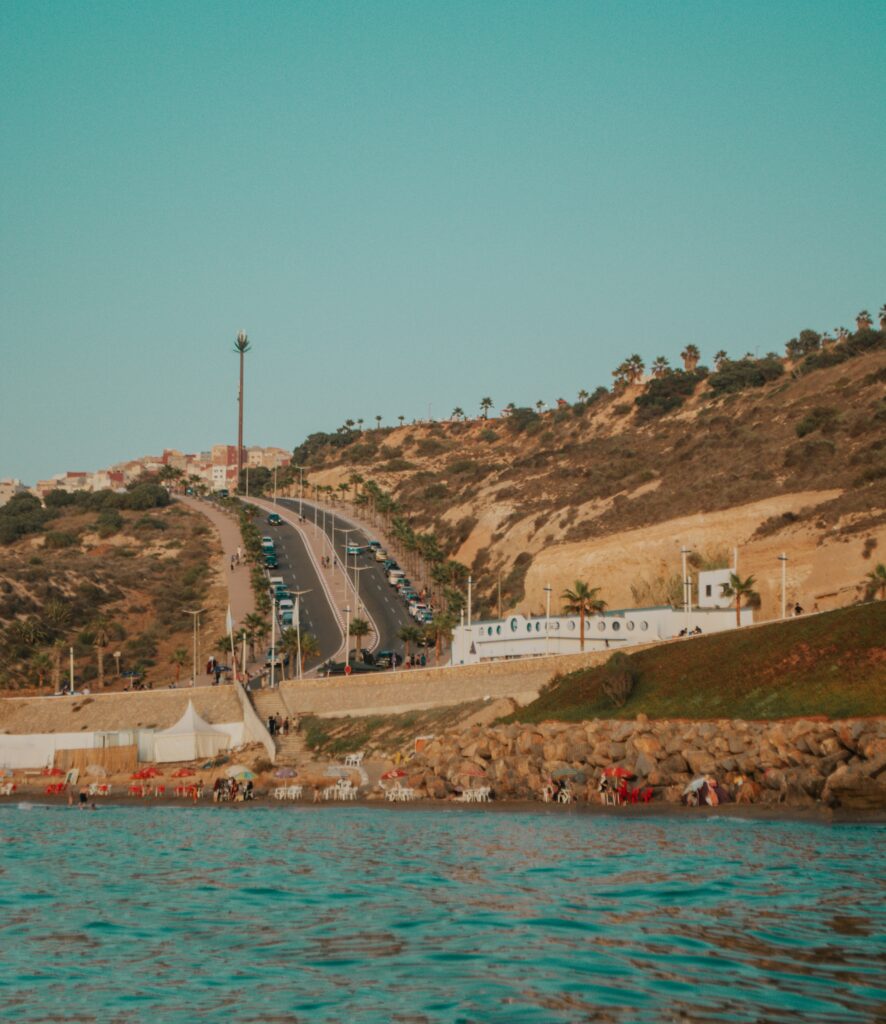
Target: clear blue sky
412, 203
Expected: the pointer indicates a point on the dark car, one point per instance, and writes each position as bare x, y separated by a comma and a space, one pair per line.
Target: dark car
388, 659
274, 519
337, 668
389, 564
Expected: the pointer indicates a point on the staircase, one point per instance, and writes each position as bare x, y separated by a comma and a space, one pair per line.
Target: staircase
291, 749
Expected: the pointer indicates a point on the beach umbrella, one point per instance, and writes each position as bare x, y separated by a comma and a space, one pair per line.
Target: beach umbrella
5, 772
285, 773
243, 776
394, 773
97, 770
182, 773
236, 770
617, 771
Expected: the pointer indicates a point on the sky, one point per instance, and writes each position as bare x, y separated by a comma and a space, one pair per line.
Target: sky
410, 206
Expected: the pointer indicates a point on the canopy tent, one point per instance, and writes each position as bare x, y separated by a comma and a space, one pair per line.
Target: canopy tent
190, 738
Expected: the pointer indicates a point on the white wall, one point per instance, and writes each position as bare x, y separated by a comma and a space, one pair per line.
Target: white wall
713, 579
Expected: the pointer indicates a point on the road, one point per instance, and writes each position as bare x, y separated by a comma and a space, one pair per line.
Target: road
381, 600
298, 572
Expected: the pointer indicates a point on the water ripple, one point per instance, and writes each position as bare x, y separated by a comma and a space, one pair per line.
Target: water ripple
299, 914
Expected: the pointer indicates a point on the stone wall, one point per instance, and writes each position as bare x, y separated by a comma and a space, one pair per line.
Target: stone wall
800, 762
421, 688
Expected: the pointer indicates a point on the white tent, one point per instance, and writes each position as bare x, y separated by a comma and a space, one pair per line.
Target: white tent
190, 738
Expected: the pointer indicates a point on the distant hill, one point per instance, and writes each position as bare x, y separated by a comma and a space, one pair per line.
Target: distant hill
764, 455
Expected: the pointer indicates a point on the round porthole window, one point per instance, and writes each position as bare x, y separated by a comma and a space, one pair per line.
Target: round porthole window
572, 624
601, 626
513, 625
538, 627
629, 625
616, 626
498, 630
644, 625
489, 631
528, 627
556, 624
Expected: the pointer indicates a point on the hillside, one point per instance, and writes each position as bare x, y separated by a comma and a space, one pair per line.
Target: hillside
765, 455
832, 664
120, 576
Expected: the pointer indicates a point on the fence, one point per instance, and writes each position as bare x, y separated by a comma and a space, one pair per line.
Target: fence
115, 760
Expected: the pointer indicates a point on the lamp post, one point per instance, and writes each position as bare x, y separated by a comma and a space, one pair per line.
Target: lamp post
196, 619
357, 570
548, 590
470, 586
783, 558
687, 593
117, 655
345, 531
347, 634
71, 670
273, 639
298, 594
275, 485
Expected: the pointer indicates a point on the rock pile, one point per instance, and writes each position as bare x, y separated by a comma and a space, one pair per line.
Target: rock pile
798, 762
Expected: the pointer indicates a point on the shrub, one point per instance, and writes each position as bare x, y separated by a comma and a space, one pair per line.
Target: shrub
808, 454
618, 679
821, 418
664, 394
622, 408
109, 522
431, 446
488, 434
396, 466
745, 373
521, 418
60, 539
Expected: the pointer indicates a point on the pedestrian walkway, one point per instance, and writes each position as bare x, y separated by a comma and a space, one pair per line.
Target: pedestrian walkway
240, 595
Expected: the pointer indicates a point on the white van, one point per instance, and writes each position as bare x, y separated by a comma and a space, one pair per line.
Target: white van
394, 575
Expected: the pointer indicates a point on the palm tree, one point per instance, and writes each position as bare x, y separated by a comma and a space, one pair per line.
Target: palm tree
409, 635
741, 590
882, 317
378, 422
842, 334
241, 347
485, 406
360, 425
458, 413
255, 623
310, 648
290, 644
876, 582
41, 664
636, 368
720, 358
582, 600
100, 630
178, 659
660, 367
358, 629
583, 395
539, 406
401, 418
690, 356
863, 321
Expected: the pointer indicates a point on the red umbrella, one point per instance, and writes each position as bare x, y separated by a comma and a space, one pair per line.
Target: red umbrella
182, 773
394, 773
616, 771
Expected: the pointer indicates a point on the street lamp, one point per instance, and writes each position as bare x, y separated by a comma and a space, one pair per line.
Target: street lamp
470, 585
783, 558
548, 590
117, 655
347, 634
196, 620
273, 639
357, 570
298, 594
339, 529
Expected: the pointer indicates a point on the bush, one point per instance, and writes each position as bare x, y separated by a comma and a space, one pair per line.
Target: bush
618, 679
745, 373
808, 454
664, 394
431, 446
821, 418
60, 539
109, 522
521, 418
488, 434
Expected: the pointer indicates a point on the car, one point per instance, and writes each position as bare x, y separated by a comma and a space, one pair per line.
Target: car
281, 593
278, 657
388, 659
427, 618
402, 584
374, 544
223, 493
354, 549
286, 617
390, 564
285, 603
267, 542
394, 575
275, 581
274, 519
337, 668
381, 555
271, 561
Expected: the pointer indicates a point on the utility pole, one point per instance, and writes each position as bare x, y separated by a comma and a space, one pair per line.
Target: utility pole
348, 635
499, 595
273, 639
470, 585
275, 485
687, 593
298, 594
196, 620
548, 590
783, 558
71, 671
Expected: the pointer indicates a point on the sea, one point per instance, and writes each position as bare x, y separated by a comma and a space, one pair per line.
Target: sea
355, 914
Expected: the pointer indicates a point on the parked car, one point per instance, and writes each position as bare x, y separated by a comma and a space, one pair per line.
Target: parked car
354, 549
390, 564
381, 555
388, 659
270, 561
279, 658
374, 544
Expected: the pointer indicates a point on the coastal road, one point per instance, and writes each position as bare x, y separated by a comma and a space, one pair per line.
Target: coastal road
298, 572
381, 600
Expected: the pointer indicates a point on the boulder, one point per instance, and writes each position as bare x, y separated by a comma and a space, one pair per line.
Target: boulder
849, 787
700, 762
648, 744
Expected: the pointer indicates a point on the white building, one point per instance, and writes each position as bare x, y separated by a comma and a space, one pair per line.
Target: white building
9, 488
521, 637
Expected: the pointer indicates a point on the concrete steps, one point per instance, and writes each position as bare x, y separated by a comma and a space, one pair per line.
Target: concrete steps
291, 749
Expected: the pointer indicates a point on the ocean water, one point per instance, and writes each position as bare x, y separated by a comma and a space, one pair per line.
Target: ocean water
297, 914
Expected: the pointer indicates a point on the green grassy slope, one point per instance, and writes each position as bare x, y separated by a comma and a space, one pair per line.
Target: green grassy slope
832, 664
